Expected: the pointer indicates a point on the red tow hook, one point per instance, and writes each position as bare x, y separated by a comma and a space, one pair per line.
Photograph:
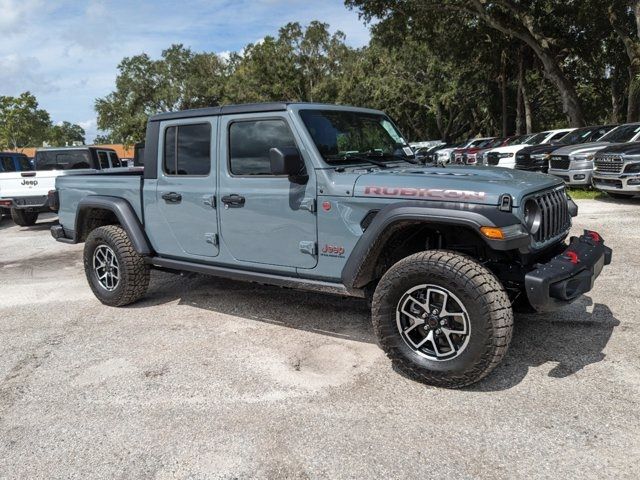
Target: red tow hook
572, 257
595, 236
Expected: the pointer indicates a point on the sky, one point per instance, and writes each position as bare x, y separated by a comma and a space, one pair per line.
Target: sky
66, 52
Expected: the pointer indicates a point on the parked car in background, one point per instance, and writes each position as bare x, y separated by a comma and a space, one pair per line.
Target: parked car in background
461, 155
10, 163
506, 156
441, 154
26, 193
617, 170
574, 163
536, 157
481, 155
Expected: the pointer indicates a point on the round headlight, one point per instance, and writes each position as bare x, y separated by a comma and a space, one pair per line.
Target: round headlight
532, 215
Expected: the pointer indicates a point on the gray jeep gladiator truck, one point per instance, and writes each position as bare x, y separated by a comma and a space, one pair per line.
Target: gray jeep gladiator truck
330, 198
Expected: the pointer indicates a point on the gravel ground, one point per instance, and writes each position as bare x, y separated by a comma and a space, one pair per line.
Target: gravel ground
208, 378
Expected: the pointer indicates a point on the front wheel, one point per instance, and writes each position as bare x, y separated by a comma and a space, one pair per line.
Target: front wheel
23, 217
117, 274
442, 318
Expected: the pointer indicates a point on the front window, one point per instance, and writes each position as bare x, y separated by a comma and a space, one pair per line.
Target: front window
342, 135
622, 134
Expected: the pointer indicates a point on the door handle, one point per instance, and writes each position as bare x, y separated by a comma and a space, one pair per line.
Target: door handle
172, 197
233, 201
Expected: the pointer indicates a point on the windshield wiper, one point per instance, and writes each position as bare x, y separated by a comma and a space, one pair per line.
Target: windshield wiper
360, 157
393, 156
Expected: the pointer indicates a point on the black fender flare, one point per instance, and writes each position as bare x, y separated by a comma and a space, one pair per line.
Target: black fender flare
358, 270
125, 214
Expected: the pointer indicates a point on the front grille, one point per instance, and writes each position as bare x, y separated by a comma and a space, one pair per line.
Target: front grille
606, 182
561, 162
555, 218
493, 158
522, 160
606, 163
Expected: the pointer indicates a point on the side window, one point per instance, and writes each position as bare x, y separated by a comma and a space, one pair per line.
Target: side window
6, 164
250, 142
187, 149
24, 163
103, 159
115, 161
557, 136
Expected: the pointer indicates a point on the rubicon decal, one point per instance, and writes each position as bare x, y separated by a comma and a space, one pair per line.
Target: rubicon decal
332, 251
424, 193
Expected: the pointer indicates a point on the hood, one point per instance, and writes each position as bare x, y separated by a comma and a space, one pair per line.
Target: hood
538, 149
509, 149
580, 148
631, 148
455, 184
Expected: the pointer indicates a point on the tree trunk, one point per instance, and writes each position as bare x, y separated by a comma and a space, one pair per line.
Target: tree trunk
519, 94
539, 44
528, 116
632, 47
615, 104
503, 92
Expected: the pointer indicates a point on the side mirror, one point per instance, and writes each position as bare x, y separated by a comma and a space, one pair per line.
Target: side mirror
287, 161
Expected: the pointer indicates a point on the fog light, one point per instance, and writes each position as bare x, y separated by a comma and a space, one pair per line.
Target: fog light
633, 181
578, 177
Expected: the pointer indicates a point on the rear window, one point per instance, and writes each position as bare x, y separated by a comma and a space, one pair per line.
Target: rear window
6, 164
24, 163
59, 160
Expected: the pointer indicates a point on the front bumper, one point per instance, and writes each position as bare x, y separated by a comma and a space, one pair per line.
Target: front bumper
625, 183
573, 177
567, 275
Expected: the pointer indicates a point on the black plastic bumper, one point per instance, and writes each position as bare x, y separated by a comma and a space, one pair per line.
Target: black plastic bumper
58, 232
567, 275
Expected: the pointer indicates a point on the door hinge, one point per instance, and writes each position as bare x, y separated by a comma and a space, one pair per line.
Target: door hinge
308, 247
211, 238
209, 200
308, 204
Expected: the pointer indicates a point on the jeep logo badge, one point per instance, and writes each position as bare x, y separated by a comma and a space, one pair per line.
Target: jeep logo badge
29, 183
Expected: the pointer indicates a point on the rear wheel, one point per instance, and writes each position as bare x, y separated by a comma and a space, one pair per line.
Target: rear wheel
24, 218
117, 274
442, 318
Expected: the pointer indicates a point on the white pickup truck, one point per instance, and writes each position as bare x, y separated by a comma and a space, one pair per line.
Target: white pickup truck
26, 193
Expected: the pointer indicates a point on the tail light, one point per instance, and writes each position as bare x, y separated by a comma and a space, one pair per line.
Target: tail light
54, 200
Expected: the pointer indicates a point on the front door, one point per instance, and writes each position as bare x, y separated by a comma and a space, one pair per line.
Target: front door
186, 188
264, 219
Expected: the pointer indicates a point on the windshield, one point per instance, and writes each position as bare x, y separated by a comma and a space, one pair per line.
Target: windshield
340, 134
519, 140
537, 138
621, 134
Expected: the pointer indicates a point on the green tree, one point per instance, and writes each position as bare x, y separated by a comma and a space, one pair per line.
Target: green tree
65, 134
22, 123
180, 79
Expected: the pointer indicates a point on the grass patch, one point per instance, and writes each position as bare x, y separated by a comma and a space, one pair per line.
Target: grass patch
586, 193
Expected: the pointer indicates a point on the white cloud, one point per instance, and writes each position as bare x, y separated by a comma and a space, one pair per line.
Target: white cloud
16, 15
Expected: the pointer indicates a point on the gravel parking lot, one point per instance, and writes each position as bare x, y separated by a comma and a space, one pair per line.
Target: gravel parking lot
209, 378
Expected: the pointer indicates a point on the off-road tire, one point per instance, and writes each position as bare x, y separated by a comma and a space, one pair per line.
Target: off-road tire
134, 272
620, 196
480, 292
23, 217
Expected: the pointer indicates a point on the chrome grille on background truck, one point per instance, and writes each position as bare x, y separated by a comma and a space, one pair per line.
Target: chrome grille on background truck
556, 218
560, 162
608, 163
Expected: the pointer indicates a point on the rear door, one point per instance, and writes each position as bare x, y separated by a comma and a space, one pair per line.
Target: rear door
186, 189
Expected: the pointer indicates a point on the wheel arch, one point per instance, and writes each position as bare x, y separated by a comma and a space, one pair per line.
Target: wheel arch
98, 210
411, 217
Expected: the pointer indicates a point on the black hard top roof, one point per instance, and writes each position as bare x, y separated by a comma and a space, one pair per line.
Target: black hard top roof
245, 108
223, 110
79, 147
